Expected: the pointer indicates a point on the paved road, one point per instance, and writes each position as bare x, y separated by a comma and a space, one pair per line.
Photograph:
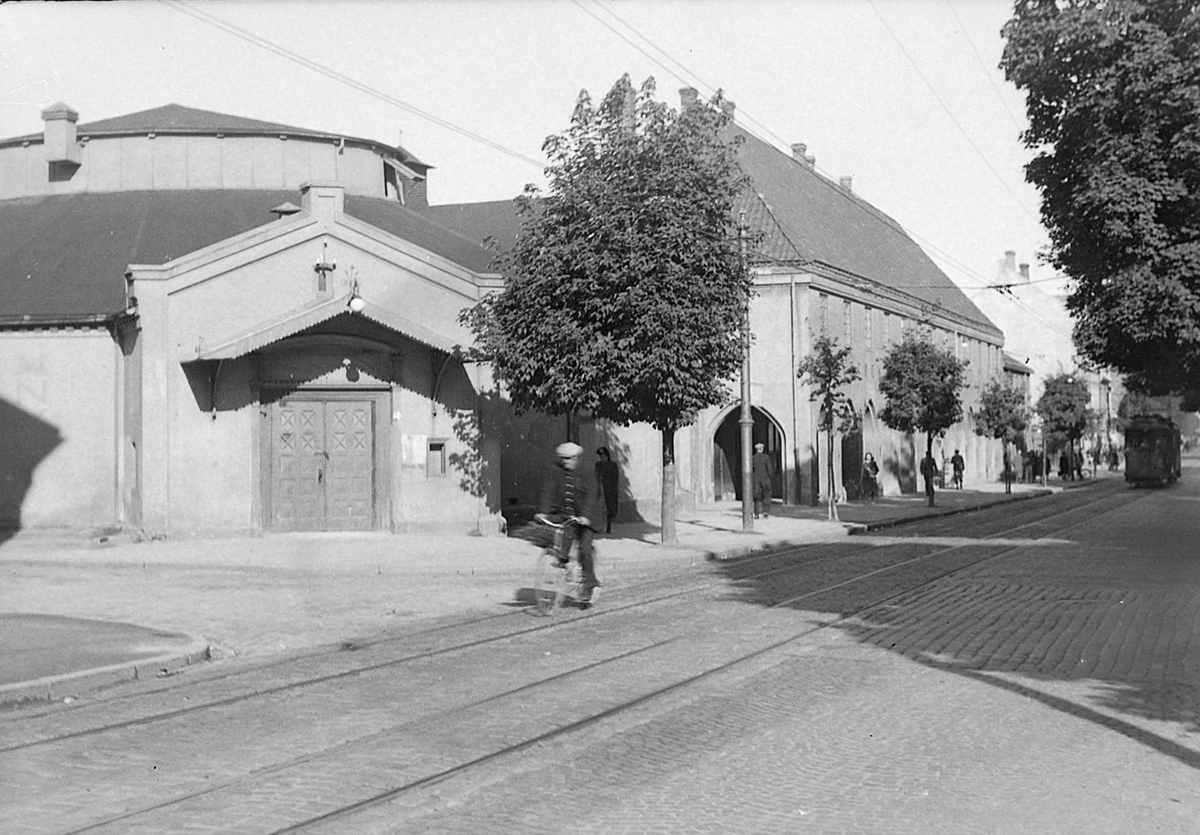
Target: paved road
1017, 670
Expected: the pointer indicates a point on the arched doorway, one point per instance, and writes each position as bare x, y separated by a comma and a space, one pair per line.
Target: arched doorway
852, 455
727, 453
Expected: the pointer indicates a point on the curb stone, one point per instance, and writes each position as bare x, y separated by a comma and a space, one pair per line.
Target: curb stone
68, 686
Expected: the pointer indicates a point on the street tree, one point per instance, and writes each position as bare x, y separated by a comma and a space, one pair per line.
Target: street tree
1002, 415
828, 370
625, 293
1064, 410
1113, 99
923, 386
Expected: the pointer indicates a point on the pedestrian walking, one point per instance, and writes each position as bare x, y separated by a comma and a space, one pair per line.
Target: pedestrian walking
957, 462
608, 476
763, 471
868, 484
929, 471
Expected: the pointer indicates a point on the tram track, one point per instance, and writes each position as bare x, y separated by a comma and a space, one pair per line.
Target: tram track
752, 568
760, 571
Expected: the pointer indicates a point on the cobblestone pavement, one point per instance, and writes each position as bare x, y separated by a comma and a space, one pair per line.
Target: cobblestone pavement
1008, 686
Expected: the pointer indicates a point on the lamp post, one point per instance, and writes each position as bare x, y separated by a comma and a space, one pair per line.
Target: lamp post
746, 418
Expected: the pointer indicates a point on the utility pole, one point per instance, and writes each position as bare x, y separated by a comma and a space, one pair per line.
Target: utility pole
746, 419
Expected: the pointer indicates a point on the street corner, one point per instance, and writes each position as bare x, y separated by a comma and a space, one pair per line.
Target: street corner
53, 658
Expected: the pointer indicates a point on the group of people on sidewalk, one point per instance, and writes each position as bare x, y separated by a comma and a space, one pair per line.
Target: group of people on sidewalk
868, 485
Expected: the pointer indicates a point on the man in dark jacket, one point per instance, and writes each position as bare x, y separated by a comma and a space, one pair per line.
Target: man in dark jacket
568, 498
762, 467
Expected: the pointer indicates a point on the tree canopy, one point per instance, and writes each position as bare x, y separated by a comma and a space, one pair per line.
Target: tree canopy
1002, 415
1113, 100
827, 368
1063, 407
923, 387
625, 293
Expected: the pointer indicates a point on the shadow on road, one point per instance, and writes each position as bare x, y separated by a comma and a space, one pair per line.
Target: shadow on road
966, 624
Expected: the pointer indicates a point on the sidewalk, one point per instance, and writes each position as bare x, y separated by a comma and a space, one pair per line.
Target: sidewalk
77, 614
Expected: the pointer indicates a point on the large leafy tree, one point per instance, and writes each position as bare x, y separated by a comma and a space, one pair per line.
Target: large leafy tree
923, 386
1002, 415
828, 370
1064, 410
1113, 99
625, 293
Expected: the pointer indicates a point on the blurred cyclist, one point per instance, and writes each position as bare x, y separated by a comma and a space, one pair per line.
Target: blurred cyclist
567, 498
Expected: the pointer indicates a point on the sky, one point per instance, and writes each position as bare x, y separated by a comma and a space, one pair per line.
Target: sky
903, 95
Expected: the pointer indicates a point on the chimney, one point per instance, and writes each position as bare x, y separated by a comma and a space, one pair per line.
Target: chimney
1010, 261
799, 149
59, 142
1024, 272
688, 96
810, 161
846, 181
323, 199
727, 107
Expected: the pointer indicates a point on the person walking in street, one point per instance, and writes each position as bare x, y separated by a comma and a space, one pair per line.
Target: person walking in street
763, 471
608, 476
957, 462
869, 482
929, 471
568, 499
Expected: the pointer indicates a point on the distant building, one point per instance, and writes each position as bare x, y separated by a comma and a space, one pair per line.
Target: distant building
1037, 333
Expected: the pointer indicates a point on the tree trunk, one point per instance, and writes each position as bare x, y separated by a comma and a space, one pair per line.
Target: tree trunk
1007, 474
668, 487
833, 511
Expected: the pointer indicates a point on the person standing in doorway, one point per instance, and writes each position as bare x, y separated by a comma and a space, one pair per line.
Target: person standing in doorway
929, 471
608, 477
763, 471
957, 462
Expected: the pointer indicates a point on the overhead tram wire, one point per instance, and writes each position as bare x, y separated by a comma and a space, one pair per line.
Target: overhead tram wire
983, 66
270, 46
308, 63
827, 178
949, 112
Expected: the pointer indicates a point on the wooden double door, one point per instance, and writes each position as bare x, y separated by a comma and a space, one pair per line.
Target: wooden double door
323, 463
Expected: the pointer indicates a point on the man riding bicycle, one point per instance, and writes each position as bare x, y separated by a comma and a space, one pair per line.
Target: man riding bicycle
568, 499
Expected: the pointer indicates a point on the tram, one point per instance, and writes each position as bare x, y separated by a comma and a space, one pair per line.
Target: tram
1152, 451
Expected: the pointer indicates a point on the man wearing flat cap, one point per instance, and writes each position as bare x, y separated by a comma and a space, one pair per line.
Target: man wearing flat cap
762, 468
566, 495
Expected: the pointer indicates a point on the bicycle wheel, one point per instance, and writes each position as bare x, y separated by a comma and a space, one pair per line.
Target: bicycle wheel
547, 584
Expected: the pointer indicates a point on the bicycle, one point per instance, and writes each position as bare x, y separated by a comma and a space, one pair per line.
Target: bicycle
556, 585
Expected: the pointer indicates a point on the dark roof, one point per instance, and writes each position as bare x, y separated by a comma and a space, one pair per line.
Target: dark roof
420, 229
175, 118
66, 255
1011, 363
805, 218
496, 219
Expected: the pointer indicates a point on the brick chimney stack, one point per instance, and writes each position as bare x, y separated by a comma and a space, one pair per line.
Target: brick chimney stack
1010, 261
59, 141
846, 181
1024, 268
727, 107
799, 149
688, 96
